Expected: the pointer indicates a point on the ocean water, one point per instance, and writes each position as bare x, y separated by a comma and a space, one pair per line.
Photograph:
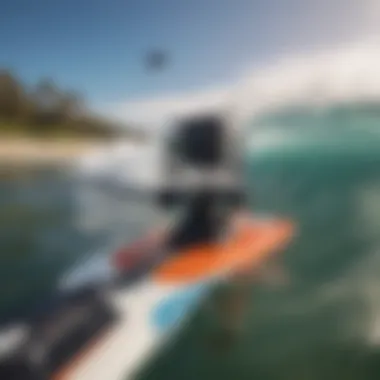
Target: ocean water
322, 170
50, 223
325, 323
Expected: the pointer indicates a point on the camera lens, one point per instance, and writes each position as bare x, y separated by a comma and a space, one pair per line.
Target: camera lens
200, 142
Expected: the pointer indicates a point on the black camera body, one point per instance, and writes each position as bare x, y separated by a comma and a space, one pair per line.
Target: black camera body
202, 169
201, 154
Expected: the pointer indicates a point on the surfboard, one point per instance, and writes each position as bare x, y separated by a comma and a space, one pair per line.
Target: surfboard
250, 244
152, 310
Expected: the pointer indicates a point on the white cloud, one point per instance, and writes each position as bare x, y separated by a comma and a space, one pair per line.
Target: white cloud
348, 71
158, 111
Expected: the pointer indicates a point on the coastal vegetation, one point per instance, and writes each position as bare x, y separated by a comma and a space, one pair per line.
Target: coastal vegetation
45, 109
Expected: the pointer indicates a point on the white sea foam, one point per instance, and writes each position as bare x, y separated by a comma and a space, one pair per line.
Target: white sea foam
124, 163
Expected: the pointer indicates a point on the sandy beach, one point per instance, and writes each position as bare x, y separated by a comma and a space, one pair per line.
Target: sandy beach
22, 151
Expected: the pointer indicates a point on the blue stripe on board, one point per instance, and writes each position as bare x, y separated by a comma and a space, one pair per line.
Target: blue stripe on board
174, 308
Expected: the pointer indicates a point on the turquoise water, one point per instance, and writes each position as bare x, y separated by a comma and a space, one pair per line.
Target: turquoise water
325, 323
37, 239
321, 169
48, 223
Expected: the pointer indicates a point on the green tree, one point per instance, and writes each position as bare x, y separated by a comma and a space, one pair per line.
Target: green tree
12, 97
47, 109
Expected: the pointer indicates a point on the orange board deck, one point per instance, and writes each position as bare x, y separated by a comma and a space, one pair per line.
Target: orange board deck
252, 244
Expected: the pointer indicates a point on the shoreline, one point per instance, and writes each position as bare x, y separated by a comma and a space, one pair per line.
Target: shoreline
27, 152
22, 156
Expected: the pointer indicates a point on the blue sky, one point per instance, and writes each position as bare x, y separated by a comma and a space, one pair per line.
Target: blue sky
97, 46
